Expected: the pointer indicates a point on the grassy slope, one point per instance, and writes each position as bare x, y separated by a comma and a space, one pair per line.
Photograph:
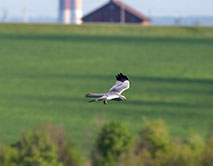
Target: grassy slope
45, 70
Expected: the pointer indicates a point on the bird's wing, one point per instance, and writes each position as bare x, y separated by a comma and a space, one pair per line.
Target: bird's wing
122, 83
99, 99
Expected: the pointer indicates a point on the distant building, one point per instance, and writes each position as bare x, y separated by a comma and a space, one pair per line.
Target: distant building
64, 11
78, 12
116, 12
70, 11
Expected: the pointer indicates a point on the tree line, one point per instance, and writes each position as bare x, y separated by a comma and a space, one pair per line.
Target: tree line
114, 146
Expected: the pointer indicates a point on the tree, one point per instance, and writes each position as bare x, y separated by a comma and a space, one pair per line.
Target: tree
67, 153
183, 155
113, 141
8, 156
207, 157
154, 138
36, 149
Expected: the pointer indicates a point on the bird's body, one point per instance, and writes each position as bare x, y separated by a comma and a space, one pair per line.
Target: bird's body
122, 83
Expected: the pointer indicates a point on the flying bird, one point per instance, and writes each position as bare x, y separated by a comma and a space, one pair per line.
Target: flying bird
122, 83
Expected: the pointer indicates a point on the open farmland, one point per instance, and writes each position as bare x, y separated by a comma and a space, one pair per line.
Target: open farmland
45, 71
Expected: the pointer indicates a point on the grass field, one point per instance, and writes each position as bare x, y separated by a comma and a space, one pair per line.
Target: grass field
45, 71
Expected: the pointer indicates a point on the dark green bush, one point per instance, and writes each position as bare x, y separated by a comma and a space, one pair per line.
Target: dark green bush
67, 153
36, 149
8, 156
154, 144
154, 138
183, 155
113, 141
45, 146
155, 148
207, 157
49, 146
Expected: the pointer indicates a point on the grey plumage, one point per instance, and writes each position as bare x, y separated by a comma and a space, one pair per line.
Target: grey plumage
122, 83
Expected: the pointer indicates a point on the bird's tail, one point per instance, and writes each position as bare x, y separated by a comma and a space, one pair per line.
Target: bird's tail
92, 101
93, 95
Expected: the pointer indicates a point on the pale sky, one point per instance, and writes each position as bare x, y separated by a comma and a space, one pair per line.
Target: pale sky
49, 8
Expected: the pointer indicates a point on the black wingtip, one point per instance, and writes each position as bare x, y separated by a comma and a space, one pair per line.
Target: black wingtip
121, 77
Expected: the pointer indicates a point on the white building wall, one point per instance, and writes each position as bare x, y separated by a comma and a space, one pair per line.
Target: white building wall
78, 12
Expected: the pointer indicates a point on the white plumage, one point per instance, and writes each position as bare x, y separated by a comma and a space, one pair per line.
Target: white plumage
122, 83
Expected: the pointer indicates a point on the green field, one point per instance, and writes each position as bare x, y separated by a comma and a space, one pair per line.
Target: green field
45, 71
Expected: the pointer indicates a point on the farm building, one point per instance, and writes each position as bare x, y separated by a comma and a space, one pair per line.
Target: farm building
116, 12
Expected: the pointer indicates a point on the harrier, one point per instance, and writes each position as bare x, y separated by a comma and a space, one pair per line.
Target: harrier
122, 83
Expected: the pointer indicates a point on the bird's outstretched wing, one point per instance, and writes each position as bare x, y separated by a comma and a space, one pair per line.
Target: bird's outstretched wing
122, 83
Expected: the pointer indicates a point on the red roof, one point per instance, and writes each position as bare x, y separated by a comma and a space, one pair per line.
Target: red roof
130, 9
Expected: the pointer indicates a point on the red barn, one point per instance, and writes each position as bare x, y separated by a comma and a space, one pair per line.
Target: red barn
116, 12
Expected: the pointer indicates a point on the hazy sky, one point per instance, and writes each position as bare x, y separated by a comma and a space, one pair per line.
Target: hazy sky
49, 8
